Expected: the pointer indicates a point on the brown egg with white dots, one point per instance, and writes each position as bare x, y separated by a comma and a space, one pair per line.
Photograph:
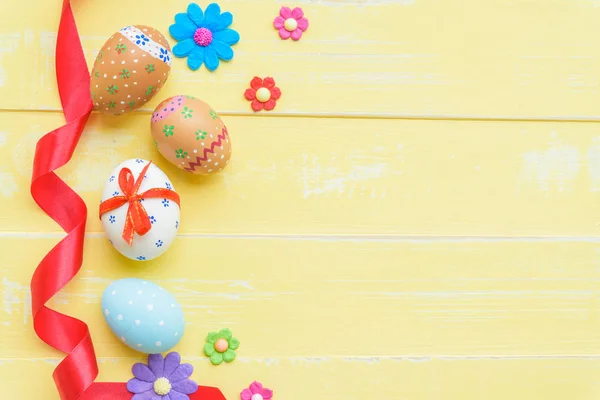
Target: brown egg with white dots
132, 66
190, 134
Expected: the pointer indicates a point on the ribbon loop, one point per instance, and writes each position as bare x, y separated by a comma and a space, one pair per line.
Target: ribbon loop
126, 182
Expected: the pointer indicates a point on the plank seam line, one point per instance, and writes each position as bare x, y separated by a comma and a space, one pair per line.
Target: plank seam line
376, 358
417, 117
339, 237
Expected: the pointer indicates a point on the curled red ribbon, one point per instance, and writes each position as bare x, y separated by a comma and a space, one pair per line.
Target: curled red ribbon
74, 377
137, 219
69, 335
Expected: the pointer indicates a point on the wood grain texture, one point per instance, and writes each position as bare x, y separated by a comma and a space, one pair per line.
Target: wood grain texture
343, 176
327, 297
385, 233
441, 58
393, 379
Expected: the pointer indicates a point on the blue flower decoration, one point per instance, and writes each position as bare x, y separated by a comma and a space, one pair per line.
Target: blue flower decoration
159, 243
168, 185
141, 258
164, 55
141, 40
165, 203
152, 219
112, 219
204, 37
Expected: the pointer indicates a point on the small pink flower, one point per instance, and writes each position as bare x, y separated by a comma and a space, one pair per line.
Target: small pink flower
256, 392
291, 23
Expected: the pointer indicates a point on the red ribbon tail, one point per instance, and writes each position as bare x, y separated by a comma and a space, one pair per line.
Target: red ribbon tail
140, 218
128, 228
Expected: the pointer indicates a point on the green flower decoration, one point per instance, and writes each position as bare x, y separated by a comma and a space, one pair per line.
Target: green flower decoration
93, 95
200, 134
180, 153
213, 114
187, 112
131, 104
100, 54
149, 90
168, 131
97, 74
111, 104
220, 346
112, 89
125, 73
155, 144
190, 97
120, 48
150, 68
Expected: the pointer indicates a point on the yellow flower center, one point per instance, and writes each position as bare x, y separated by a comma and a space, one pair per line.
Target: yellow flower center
162, 386
263, 94
290, 24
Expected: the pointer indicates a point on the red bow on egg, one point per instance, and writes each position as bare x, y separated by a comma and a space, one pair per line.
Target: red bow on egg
137, 220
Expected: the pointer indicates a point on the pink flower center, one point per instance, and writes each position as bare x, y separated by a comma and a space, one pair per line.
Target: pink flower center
203, 37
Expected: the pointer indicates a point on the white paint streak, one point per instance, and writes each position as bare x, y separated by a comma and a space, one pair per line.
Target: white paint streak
15, 297
8, 185
8, 46
552, 169
361, 3
317, 179
93, 161
96, 157
594, 164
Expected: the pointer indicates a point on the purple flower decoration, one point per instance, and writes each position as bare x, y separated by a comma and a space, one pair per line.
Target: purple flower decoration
162, 379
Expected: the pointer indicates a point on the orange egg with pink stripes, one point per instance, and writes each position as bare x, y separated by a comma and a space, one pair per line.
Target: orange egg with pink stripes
191, 135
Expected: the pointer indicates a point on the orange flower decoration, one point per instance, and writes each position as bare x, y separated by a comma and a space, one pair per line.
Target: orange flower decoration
263, 94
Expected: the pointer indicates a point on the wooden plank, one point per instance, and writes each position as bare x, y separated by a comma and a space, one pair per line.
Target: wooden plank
338, 297
527, 59
342, 176
337, 378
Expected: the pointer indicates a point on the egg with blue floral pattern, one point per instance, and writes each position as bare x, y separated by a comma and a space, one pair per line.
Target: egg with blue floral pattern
131, 67
143, 315
130, 202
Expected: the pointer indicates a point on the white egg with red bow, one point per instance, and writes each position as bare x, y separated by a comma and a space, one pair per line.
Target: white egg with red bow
140, 210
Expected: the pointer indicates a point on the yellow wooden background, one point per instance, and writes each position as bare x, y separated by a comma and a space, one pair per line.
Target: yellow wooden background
419, 218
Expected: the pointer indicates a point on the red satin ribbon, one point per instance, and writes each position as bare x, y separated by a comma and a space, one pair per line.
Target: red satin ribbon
137, 219
74, 377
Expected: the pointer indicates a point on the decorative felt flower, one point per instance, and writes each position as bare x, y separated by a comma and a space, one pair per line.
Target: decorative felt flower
220, 346
256, 391
291, 23
263, 93
204, 37
162, 379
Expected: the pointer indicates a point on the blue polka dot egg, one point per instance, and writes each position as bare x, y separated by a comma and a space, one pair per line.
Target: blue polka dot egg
151, 199
143, 315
